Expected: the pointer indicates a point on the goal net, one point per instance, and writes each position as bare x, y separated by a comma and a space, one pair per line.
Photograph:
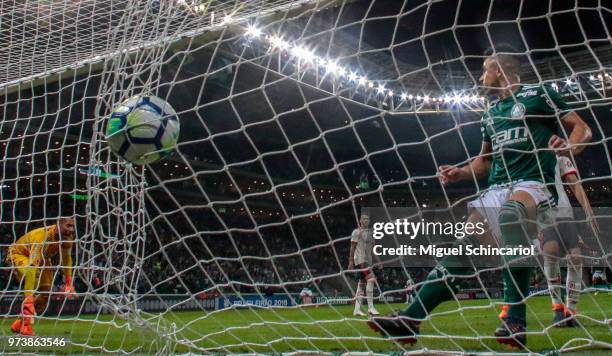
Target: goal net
296, 116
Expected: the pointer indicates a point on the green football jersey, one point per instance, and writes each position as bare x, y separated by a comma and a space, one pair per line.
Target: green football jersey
518, 128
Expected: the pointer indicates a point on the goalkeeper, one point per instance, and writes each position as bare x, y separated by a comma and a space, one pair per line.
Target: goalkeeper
518, 156
34, 258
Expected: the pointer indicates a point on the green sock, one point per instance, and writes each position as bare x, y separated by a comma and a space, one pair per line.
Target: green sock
435, 293
512, 294
516, 279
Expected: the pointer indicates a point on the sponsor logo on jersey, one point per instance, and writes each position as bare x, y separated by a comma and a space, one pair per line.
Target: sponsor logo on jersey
510, 137
518, 111
527, 93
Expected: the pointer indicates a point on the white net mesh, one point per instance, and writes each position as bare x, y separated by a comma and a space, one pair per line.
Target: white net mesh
294, 116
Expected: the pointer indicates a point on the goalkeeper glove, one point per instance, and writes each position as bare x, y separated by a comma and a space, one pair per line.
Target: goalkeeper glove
69, 288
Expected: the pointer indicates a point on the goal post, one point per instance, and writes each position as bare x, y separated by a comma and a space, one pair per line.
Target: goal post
297, 116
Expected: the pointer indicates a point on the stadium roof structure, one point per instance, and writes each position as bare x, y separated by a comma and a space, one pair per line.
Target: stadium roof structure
397, 43
38, 38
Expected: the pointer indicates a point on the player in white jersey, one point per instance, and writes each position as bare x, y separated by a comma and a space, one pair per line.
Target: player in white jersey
563, 240
409, 290
360, 257
306, 295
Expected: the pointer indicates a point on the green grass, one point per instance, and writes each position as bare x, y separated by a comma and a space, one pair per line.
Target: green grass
331, 329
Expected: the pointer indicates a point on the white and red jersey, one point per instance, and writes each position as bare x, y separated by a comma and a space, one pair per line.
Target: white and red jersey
565, 167
365, 243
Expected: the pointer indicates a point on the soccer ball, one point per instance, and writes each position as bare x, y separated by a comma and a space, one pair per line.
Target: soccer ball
143, 129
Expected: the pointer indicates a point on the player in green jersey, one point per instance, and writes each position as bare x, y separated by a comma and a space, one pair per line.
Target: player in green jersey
521, 132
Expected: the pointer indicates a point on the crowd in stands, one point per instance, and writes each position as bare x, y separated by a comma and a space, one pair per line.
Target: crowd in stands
231, 251
181, 265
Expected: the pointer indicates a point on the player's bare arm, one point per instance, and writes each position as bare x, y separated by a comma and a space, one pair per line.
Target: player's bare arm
579, 133
580, 194
478, 167
351, 263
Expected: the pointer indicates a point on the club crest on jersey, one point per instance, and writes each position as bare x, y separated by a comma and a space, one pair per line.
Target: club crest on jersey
518, 111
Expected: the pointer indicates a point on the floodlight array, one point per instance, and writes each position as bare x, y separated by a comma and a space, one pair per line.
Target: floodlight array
306, 58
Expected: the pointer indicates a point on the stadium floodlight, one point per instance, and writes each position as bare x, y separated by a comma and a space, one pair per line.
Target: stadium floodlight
403, 96
591, 77
390, 93
333, 67
418, 98
253, 31
568, 81
410, 97
302, 53
380, 89
278, 42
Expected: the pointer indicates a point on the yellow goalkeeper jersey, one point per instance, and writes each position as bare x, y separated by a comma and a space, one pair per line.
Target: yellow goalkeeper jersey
39, 246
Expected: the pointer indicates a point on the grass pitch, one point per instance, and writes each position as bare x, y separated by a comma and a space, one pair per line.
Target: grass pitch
327, 329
